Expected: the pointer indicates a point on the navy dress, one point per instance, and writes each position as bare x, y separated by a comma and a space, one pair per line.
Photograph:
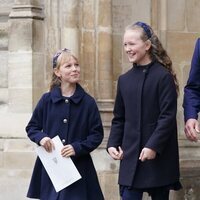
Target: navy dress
76, 120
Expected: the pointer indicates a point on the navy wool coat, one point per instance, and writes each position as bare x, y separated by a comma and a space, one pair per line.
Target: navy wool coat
76, 120
145, 116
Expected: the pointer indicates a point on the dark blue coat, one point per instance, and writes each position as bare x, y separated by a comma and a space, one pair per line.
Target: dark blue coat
191, 102
77, 122
145, 116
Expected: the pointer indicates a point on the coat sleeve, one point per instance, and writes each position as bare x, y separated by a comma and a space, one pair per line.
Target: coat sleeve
117, 126
166, 123
95, 133
191, 103
34, 128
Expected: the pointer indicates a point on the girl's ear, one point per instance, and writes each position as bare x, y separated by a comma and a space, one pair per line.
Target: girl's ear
56, 72
148, 45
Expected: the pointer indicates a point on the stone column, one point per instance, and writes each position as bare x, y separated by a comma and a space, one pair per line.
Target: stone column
104, 54
88, 48
70, 25
26, 57
104, 85
52, 34
95, 21
25, 85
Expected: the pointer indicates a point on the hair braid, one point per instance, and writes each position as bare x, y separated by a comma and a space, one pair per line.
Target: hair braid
158, 53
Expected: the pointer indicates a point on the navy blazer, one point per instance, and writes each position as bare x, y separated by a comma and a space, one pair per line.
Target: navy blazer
191, 103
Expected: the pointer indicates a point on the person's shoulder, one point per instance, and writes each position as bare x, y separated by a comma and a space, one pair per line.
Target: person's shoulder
197, 43
89, 98
45, 96
198, 40
126, 74
89, 101
86, 95
161, 72
159, 68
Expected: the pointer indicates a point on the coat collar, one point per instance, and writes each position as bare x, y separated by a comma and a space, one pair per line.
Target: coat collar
143, 66
75, 98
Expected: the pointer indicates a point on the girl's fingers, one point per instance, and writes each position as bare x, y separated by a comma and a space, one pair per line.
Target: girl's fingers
67, 151
120, 153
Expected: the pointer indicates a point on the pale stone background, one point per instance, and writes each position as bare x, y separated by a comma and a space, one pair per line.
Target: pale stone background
30, 33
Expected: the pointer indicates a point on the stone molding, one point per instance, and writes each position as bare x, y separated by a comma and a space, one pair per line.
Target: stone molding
27, 11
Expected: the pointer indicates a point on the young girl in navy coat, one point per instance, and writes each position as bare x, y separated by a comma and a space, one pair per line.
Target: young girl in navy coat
144, 131
68, 111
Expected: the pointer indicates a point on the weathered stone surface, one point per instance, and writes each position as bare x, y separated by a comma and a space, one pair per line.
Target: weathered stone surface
23, 28
3, 100
3, 35
4, 69
105, 61
20, 100
14, 183
117, 55
19, 64
104, 13
176, 16
70, 13
88, 14
128, 12
180, 47
13, 125
192, 15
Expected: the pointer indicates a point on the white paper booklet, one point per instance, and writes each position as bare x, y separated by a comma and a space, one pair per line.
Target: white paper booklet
61, 170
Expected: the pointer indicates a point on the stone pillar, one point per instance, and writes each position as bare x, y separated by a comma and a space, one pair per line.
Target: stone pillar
70, 26
25, 85
104, 54
26, 55
88, 48
96, 55
104, 86
25, 66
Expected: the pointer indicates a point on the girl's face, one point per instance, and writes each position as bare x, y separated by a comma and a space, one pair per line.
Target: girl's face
69, 72
136, 48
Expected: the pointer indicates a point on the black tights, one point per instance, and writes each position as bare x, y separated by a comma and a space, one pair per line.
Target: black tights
160, 194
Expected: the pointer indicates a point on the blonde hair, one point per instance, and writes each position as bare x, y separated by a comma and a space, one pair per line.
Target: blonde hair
156, 52
60, 58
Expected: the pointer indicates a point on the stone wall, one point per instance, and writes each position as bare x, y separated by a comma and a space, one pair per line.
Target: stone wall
30, 33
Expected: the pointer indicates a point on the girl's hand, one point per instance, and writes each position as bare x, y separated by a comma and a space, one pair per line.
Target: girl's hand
116, 154
147, 154
67, 151
47, 143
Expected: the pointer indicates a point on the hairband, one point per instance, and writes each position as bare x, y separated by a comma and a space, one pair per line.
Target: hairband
55, 57
145, 27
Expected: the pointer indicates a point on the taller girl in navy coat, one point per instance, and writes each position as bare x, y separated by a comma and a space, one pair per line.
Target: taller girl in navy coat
68, 111
144, 131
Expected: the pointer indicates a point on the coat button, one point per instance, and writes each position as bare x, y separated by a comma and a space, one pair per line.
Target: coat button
66, 101
63, 141
65, 121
